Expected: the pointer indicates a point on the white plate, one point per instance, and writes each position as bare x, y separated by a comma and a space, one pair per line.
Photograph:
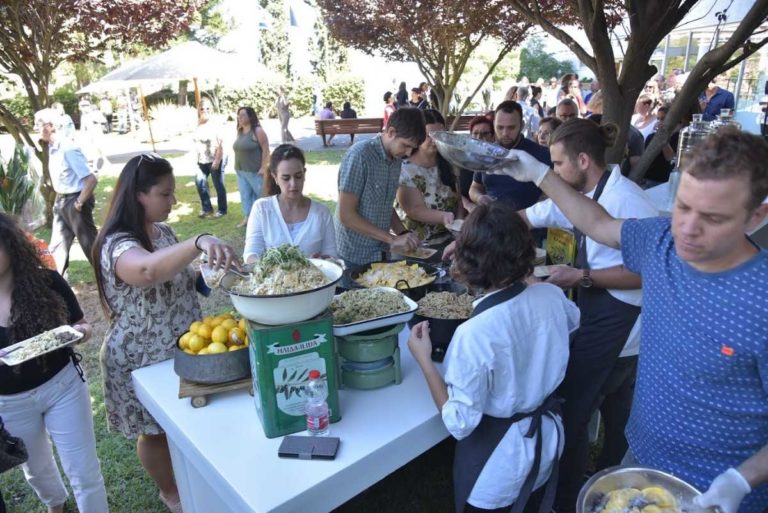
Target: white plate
21, 355
542, 271
456, 225
420, 253
341, 330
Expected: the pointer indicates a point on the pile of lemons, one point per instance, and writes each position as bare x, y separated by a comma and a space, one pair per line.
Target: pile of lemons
214, 335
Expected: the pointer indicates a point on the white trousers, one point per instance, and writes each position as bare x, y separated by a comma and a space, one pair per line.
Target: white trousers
59, 408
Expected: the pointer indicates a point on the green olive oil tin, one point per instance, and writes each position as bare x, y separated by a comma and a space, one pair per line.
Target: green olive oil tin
281, 359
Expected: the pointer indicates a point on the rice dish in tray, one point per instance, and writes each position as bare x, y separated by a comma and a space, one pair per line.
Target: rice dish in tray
364, 304
446, 305
282, 270
400, 275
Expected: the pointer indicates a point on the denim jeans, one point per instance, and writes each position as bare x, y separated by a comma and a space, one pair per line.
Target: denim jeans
201, 180
60, 409
249, 183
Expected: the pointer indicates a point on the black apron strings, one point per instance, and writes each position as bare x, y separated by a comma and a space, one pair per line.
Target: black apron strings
581, 240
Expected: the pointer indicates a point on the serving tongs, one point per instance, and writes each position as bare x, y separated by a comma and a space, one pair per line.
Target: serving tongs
213, 277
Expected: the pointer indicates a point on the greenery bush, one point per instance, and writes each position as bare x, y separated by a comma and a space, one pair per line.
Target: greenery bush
345, 89
261, 96
67, 97
21, 107
301, 99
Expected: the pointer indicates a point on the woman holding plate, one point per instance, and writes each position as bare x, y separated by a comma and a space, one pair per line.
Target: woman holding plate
46, 397
428, 196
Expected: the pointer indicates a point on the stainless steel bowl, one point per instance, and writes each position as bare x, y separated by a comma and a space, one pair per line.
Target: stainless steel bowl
465, 152
286, 308
616, 478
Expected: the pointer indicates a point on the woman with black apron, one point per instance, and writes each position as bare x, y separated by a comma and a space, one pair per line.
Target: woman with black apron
501, 368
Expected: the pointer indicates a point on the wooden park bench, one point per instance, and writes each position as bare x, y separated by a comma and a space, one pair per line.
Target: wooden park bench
327, 127
324, 127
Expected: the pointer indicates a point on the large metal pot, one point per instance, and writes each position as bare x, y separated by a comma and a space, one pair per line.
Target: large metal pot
415, 292
286, 308
440, 330
616, 478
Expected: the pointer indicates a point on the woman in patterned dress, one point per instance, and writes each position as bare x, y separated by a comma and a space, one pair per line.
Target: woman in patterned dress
147, 289
428, 198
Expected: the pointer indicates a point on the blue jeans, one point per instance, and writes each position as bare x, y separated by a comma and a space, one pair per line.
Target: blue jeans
249, 183
201, 180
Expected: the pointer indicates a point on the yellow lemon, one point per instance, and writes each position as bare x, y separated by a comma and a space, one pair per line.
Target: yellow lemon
236, 347
216, 347
205, 331
237, 336
219, 334
243, 324
216, 321
246, 341
194, 326
208, 320
195, 343
203, 351
184, 340
229, 323
189, 351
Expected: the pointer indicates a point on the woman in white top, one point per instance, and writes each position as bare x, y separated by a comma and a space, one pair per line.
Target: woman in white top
501, 368
644, 119
287, 216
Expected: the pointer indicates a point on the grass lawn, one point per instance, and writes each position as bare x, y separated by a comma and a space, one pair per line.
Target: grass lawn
423, 485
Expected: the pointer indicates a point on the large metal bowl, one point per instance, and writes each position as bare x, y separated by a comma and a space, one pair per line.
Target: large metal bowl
286, 308
464, 152
616, 478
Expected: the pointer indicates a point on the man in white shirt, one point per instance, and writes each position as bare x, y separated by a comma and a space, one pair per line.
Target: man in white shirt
609, 297
74, 184
530, 116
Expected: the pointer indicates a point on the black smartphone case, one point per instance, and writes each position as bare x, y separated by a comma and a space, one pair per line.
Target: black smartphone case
309, 447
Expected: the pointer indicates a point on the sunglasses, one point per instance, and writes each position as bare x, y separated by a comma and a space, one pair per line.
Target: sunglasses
144, 157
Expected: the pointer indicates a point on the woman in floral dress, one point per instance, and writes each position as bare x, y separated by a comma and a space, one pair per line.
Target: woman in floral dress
147, 290
428, 198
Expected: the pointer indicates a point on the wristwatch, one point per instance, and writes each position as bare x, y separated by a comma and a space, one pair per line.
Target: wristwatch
586, 279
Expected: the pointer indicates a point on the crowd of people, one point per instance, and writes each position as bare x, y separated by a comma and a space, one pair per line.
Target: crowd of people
665, 334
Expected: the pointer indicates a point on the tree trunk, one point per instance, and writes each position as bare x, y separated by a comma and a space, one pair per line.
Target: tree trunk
181, 99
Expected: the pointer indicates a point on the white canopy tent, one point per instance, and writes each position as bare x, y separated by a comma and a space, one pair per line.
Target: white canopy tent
190, 60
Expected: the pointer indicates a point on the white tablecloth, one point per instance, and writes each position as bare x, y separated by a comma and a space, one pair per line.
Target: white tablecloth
224, 463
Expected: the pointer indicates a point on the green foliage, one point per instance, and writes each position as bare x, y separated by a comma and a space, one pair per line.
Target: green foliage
536, 63
274, 41
301, 98
209, 24
67, 97
261, 96
345, 89
16, 188
327, 56
21, 108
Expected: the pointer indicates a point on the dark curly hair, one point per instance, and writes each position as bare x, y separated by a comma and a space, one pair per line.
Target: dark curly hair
33, 308
495, 248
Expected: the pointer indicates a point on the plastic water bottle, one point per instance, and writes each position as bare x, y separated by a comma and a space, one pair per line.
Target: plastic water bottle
673, 184
318, 421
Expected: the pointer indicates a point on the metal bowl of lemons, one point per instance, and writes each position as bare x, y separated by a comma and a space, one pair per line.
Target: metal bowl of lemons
641, 489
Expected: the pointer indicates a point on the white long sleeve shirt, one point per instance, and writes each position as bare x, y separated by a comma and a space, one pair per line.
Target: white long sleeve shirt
507, 360
267, 229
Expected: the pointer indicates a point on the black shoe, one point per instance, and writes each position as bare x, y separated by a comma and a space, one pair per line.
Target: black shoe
204, 215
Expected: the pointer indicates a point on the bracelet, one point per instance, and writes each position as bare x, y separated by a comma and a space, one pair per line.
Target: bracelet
197, 239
